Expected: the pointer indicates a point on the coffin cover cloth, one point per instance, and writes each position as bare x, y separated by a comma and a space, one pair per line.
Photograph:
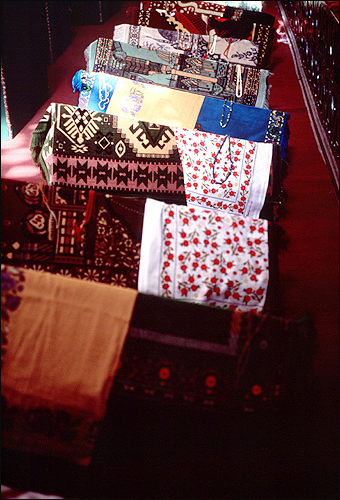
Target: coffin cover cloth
259, 32
85, 149
107, 250
64, 339
209, 358
235, 50
204, 256
153, 103
220, 79
242, 24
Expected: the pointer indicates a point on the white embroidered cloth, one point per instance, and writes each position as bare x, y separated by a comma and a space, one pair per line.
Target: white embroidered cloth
204, 256
213, 181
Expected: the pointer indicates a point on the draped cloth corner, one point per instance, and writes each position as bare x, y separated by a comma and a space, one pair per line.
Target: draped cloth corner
64, 343
204, 256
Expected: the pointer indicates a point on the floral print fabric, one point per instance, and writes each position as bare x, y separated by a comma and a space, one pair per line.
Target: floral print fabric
212, 179
204, 256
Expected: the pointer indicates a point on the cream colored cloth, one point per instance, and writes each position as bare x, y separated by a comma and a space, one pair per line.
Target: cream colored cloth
64, 344
157, 104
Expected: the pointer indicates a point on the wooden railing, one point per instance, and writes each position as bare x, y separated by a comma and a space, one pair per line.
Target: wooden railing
315, 27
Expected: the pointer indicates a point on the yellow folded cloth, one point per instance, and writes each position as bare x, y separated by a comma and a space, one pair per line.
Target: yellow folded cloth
64, 343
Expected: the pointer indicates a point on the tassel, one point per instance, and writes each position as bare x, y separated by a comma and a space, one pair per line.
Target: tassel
76, 81
78, 230
52, 226
52, 221
239, 89
39, 135
212, 45
226, 52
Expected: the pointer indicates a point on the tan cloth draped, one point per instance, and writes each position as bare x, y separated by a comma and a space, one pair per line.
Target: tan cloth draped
64, 344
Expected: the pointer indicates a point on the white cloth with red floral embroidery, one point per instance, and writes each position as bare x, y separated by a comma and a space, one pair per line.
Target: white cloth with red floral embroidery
238, 186
204, 256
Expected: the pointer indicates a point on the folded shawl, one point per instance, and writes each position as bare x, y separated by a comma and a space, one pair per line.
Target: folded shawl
101, 92
235, 51
204, 256
220, 79
64, 341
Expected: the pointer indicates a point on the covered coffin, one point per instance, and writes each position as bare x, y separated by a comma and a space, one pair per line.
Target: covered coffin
236, 51
97, 236
90, 149
215, 78
148, 102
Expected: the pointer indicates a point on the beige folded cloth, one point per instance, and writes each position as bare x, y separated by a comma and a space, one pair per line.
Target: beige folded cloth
64, 344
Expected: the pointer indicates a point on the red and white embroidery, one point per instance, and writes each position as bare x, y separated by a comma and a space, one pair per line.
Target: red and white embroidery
206, 256
212, 179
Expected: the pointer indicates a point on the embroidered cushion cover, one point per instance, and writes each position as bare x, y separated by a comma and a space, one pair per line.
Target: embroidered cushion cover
204, 256
224, 173
124, 97
220, 79
235, 51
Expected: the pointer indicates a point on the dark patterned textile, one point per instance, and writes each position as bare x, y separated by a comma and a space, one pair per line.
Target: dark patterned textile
235, 23
221, 79
250, 17
42, 229
89, 149
199, 7
199, 356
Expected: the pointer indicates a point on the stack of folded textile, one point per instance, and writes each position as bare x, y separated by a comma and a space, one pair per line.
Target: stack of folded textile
173, 121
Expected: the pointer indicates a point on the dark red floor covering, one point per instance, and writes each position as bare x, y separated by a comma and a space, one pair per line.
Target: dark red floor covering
309, 269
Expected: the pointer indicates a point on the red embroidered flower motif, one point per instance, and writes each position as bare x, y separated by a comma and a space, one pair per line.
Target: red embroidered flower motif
211, 267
